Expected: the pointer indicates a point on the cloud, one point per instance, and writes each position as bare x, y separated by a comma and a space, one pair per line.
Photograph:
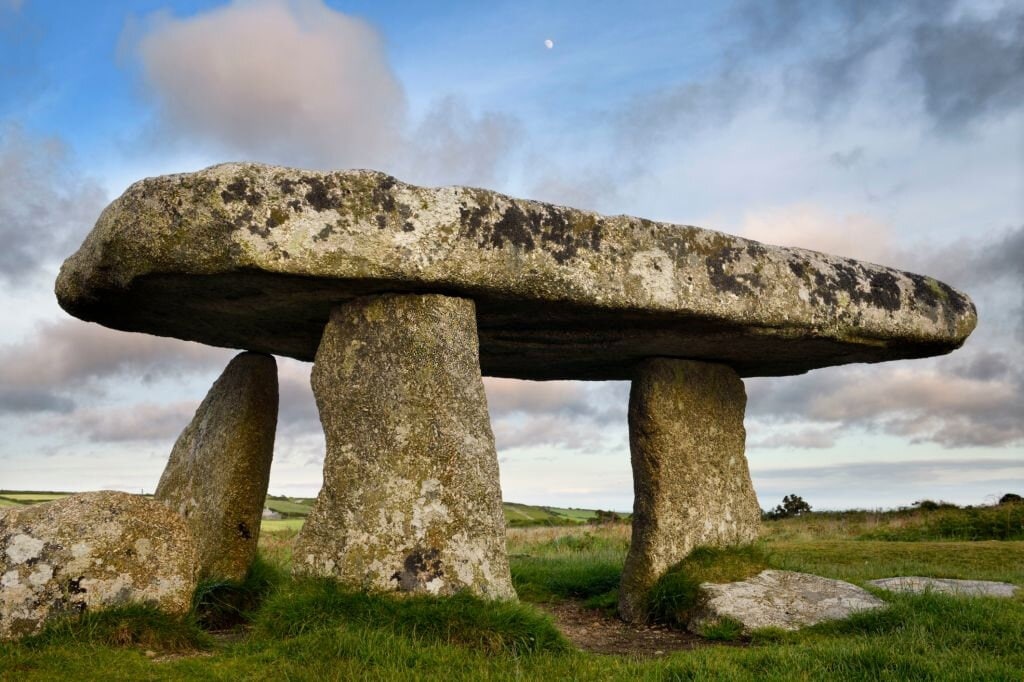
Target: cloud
451, 144
143, 422
299, 83
970, 67
46, 206
811, 227
70, 353
15, 400
992, 469
68, 363
802, 439
963, 62
574, 415
879, 484
953, 403
276, 79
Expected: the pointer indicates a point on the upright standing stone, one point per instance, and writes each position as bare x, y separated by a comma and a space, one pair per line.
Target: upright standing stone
219, 469
411, 499
690, 477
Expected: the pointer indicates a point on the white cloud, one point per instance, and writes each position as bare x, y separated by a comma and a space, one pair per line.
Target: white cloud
276, 78
296, 82
809, 226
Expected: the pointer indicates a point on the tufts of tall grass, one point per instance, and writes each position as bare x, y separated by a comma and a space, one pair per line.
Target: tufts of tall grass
221, 604
674, 597
579, 565
308, 605
138, 626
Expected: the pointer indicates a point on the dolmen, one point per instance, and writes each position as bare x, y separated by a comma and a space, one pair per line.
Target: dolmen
404, 297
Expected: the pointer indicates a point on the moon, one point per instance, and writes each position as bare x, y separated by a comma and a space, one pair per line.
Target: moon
549, 43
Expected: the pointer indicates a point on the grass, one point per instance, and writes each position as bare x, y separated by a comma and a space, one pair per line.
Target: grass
290, 507
277, 525
677, 593
31, 498
307, 629
308, 605
565, 563
939, 522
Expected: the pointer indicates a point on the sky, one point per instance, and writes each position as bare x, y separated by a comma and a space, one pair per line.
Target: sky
889, 132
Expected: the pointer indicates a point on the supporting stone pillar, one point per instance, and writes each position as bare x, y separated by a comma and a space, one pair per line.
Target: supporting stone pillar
411, 499
690, 477
219, 469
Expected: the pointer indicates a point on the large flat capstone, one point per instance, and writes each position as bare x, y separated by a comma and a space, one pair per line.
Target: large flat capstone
256, 257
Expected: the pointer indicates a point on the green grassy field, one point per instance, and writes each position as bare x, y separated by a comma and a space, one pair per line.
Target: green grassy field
294, 509
303, 629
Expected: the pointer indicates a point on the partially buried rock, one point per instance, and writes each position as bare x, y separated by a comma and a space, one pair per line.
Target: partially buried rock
781, 599
964, 588
90, 552
219, 469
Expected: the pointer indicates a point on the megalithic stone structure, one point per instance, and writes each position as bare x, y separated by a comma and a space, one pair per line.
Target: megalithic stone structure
411, 500
690, 478
265, 258
217, 475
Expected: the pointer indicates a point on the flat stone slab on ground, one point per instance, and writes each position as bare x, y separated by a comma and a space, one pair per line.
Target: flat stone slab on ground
254, 256
973, 588
89, 552
782, 599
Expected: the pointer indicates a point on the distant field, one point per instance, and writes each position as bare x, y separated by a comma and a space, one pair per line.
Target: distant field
275, 525
295, 509
294, 506
30, 497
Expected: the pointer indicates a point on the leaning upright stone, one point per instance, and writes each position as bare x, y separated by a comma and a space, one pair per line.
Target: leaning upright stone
411, 499
690, 477
219, 469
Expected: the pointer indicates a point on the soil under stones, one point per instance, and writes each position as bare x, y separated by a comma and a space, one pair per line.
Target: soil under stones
600, 632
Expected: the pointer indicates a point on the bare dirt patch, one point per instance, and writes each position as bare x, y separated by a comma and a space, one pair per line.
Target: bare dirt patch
600, 632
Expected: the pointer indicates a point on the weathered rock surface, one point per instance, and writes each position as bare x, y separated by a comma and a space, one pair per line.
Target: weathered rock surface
218, 472
781, 599
968, 588
89, 552
690, 478
253, 256
411, 499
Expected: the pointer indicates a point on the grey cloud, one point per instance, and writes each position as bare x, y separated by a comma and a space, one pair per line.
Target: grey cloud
451, 145
138, 423
45, 205
298, 412
884, 472
954, 404
579, 416
803, 439
17, 399
687, 108
814, 60
847, 159
574, 434
69, 353
970, 67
